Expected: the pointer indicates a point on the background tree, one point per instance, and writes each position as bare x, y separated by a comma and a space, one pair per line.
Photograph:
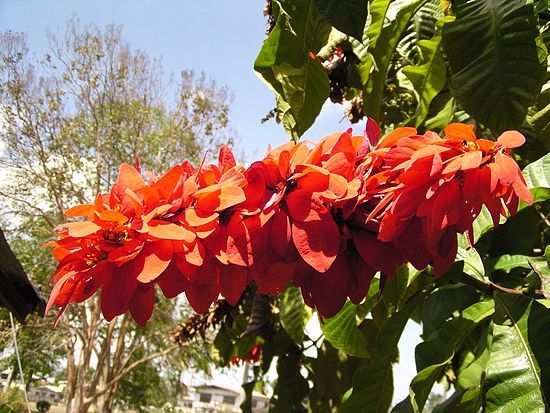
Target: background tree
69, 119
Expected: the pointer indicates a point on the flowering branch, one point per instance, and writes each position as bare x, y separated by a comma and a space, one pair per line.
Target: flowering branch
325, 218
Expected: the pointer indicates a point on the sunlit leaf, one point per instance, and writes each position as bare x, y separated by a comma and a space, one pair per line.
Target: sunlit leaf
428, 76
342, 332
517, 376
293, 313
434, 353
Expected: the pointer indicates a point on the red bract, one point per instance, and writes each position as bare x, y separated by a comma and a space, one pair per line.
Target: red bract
325, 218
440, 188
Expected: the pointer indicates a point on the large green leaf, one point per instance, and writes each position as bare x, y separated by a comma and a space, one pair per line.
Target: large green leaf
384, 39
541, 266
518, 235
348, 16
433, 354
441, 304
429, 76
291, 387
372, 298
423, 27
395, 288
517, 376
471, 372
342, 332
483, 223
331, 375
496, 67
305, 90
300, 82
293, 313
537, 177
443, 113
373, 384
506, 263
473, 265
539, 116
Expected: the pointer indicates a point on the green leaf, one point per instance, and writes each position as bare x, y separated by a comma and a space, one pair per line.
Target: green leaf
384, 39
496, 68
473, 265
441, 304
483, 223
433, 354
348, 16
539, 116
331, 375
518, 235
517, 376
371, 299
300, 82
541, 266
373, 384
293, 313
429, 76
291, 387
228, 341
470, 377
506, 263
537, 177
442, 115
395, 288
341, 331
304, 91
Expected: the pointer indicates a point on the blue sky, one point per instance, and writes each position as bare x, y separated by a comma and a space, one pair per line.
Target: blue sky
219, 37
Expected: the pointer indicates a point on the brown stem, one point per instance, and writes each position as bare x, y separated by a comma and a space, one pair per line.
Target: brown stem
490, 287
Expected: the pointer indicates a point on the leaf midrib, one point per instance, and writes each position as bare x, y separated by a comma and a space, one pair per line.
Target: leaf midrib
527, 350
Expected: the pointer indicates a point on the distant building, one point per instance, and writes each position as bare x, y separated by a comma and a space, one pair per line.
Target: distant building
52, 394
42, 390
214, 398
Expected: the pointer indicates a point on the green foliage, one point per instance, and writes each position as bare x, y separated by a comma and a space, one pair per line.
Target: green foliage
539, 116
537, 177
293, 313
12, 400
144, 387
541, 267
300, 82
373, 384
348, 16
433, 354
520, 340
384, 40
341, 331
395, 288
331, 375
291, 387
497, 80
428, 76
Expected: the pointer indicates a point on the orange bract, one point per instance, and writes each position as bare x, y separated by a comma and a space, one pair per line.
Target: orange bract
325, 218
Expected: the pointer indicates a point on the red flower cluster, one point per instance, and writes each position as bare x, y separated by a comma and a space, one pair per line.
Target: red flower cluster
253, 356
325, 218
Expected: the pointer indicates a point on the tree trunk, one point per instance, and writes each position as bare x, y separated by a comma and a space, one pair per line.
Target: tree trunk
10, 378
